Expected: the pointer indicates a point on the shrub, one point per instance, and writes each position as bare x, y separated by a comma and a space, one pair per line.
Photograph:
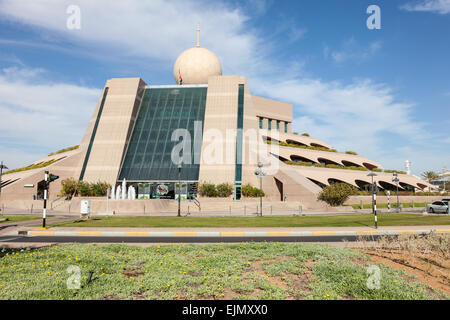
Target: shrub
249, 191
69, 187
99, 189
72, 187
376, 170
224, 190
295, 133
337, 193
305, 134
392, 171
208, 190
351, 152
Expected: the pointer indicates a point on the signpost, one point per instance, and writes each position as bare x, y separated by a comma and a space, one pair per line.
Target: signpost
48, 178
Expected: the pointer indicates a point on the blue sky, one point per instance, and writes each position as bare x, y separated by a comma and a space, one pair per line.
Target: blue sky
382, 93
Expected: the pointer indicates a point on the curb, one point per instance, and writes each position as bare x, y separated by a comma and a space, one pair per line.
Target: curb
222, 233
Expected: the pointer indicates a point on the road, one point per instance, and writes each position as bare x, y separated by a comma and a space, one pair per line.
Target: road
112, 239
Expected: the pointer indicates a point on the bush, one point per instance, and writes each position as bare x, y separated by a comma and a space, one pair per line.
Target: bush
305, 134
71, 187
224, 190
337, 193
208, 190
249, 191
351, 152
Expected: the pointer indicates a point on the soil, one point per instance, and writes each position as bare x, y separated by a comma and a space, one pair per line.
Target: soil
429, 268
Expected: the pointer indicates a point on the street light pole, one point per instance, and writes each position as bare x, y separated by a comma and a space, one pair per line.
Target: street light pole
179, 190
2, 166
396, 180
260, 173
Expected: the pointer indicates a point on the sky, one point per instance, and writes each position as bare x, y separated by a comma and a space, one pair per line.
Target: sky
384, 93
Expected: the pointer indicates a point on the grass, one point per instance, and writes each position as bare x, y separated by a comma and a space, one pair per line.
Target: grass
349, 220
385, 205
225, 271
17, 218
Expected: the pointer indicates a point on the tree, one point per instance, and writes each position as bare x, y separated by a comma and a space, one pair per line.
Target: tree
337, 193
430, 176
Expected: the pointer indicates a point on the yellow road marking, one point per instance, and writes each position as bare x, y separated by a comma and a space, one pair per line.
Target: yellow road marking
42, 233
442, 230
279, 233
136, 233
89, 233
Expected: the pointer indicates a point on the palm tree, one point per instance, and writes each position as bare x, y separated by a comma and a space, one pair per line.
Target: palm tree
430, 176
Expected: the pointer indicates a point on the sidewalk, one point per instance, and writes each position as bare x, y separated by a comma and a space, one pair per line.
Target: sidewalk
224, 232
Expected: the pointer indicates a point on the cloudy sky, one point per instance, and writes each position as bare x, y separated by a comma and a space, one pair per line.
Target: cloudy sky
384, 93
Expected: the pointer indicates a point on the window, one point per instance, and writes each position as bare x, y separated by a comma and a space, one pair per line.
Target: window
269, 124
285, 127
163, 110
260, 122
278, 125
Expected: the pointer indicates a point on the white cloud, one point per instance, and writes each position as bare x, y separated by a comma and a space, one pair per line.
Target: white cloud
352, 51
153, 29
38, 115
435, 6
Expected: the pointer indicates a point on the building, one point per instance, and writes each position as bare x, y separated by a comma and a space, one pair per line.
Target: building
214, 127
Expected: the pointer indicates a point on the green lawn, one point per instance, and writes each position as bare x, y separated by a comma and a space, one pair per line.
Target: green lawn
351, 220
231, 271
17, 218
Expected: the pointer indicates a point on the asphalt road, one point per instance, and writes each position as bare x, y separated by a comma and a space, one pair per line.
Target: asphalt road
96, 239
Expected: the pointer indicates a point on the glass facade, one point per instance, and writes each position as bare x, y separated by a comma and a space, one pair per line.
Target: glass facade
149, 153
240, 126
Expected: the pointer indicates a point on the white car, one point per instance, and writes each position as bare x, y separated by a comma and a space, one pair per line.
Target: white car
438, 207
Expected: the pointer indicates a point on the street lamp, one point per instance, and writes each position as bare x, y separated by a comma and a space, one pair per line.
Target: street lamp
2, 166
374, 198
396, 180
179, 189
260, 173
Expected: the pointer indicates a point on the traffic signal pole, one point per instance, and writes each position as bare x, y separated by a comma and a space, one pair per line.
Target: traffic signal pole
44, 211
47, 179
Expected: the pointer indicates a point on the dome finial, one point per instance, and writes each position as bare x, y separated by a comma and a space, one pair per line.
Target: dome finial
198, 35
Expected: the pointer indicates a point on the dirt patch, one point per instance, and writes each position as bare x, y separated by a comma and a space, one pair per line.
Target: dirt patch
133, 273
435, 274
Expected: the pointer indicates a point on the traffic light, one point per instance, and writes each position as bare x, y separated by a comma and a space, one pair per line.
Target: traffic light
52, 177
